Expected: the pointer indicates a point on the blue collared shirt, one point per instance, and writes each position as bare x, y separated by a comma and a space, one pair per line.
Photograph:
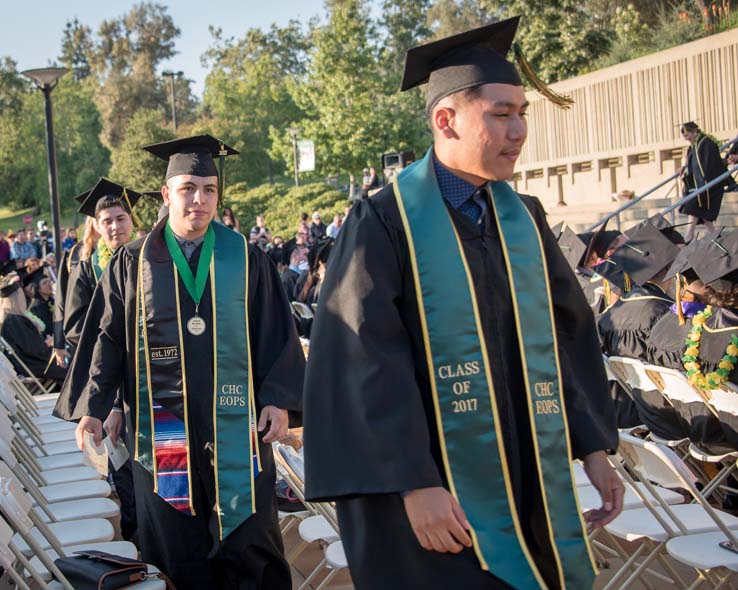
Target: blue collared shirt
460, 194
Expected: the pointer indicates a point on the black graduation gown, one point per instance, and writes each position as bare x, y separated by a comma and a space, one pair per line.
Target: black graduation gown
42, 309
251, 557
704, 164
68, 262
714, 341
26, 341
368, 372
289, 278
81, 286
665, 348
624, 329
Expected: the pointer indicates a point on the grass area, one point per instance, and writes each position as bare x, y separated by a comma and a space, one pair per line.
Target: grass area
13, 218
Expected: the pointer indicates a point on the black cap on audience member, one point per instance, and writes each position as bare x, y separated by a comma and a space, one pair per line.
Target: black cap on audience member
105, 194
557, 229
9, 284
717, 263
614, 275
470, 59
35, 277
645, 254
573, 248
191, 155
662, 224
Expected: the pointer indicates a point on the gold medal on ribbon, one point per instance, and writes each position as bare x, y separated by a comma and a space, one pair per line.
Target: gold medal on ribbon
196, 325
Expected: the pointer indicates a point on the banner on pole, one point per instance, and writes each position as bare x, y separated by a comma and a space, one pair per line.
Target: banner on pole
306, 151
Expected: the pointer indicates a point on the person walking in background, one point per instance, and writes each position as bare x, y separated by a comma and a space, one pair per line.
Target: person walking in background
703, 164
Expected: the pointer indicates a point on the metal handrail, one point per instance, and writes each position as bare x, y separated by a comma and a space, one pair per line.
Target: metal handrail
702, 189
639, 198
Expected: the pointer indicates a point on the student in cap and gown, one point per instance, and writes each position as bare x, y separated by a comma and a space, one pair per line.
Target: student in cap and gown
110, 204
383, 458
195, 517
69, 261
626, 325
703, 164
23, 332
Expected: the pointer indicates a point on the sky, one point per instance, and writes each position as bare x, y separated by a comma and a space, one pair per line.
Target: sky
31, 32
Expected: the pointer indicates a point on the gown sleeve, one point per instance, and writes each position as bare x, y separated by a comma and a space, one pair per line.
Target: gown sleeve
278, 360
59, 301
364, 426
96, 372
79, 294
589, 408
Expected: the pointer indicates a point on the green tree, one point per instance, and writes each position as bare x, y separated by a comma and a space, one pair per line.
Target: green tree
77, 46
339, 94
135, 168
247, 93
449, 17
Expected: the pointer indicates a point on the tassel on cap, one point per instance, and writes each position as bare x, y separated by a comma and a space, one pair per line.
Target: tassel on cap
680, 312
539, 85
136, 220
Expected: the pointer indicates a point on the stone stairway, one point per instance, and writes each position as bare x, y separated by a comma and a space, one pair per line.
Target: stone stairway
579, 217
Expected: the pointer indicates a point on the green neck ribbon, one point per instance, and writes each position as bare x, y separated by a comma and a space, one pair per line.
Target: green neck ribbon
467, 416
195, 285
161, 365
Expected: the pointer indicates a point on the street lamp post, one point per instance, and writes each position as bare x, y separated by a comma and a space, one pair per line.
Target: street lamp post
171, 75
45, 80
294, 131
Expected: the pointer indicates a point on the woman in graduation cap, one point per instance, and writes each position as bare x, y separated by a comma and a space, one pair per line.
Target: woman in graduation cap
109, 205
458, 359
703, 164
193, 323
23, 330
69, 260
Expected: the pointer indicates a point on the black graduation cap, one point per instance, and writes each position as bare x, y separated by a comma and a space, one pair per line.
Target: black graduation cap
645, 254
109, 191
9, 284
663, 225
152, 194
717, 262
573, 247
599, 241
319, 252
80, 198
613, 274
191, 155
35, 277
470, 59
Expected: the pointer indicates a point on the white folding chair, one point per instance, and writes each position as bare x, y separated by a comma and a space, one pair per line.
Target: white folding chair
303, 310
658, 522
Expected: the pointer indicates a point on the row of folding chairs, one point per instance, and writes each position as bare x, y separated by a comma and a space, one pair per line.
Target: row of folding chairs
51, 502
316, 524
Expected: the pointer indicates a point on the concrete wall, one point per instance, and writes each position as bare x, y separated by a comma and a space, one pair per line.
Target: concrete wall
623, 130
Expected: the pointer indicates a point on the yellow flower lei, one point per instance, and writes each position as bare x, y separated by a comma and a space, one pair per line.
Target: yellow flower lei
691, 359
105, 253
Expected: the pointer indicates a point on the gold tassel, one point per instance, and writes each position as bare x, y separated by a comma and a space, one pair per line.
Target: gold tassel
628, 286
539, 85
680, 313
134, 217
607, 291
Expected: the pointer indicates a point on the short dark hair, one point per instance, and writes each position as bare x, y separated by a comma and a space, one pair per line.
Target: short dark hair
109, 203
690, 126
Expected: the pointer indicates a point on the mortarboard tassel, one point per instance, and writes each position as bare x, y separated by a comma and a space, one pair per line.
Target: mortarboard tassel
680, 313
136, 220
539, 85
628, 286
221, 173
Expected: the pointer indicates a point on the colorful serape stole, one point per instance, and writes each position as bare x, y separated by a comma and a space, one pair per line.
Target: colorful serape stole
170, 442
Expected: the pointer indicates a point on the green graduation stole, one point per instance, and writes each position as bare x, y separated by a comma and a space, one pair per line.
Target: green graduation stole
467, 417
161, 370
95, 263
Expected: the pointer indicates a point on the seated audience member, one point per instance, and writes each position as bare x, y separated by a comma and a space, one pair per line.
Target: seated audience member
276, 252
259, 234
42, 304
70, 240
292, 272
334, 227
23, 332
307, 288
229, 219
316, 230
626, 325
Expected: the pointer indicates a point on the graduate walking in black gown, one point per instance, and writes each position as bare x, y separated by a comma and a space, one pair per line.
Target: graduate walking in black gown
703, 164
454, 365
194, 323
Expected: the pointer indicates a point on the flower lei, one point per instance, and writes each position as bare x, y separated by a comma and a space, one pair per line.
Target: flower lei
37, 321
105, 253
691, 359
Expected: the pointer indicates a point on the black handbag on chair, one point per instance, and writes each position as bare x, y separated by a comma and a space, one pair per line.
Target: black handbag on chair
97, 570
